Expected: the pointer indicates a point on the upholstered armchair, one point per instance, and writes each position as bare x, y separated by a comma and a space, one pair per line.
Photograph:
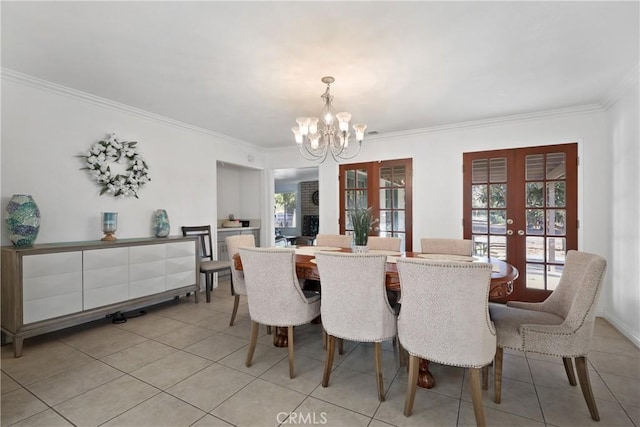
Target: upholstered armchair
274, 294
560, 326
336, 240
354, 305
447, 246
238, 287
445, 319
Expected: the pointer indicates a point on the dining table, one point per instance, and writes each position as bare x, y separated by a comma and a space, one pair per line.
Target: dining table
503, 275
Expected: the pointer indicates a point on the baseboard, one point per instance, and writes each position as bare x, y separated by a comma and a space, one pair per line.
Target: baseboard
622, 328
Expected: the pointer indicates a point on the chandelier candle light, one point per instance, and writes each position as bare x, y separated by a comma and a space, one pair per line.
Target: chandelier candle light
316, 143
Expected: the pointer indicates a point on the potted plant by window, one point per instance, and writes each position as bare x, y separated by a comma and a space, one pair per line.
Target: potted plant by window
361, 221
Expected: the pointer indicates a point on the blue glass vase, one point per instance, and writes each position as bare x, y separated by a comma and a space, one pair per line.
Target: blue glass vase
23, 220
161, 225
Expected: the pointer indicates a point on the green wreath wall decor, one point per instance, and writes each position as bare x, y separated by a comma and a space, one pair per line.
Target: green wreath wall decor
115, 150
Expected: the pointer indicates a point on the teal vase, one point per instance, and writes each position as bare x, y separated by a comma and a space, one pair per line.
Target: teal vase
161, 225
23, 220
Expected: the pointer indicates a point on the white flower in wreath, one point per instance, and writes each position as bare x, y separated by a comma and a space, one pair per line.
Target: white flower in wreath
103, 154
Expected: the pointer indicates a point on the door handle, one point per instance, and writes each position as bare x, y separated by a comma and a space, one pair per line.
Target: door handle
509, 232
520, 232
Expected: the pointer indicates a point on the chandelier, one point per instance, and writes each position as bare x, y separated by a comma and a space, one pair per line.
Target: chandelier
315, 143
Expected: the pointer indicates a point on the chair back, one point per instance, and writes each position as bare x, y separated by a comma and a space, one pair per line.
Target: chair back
354, 300
447, 246
337, 240
445, 312
575, 297
273, 292
204, 236
384, 243
234, 243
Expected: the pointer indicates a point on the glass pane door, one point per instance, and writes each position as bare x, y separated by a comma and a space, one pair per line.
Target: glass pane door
385, 187
520, 205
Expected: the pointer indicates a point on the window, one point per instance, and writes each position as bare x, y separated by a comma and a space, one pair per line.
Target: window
284, 207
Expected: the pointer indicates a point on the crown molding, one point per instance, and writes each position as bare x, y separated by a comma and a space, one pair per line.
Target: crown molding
620, 89
473, 124
28, 80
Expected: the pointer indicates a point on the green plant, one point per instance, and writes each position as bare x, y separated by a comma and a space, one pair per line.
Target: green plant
361, 220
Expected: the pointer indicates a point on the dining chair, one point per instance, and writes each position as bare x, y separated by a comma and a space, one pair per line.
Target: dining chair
274, 294
447, 246
336, 240
445, 319
384, 243
561, 326
238, 287
354, 305
208, 266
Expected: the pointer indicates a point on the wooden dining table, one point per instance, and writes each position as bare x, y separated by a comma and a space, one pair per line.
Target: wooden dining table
503, 275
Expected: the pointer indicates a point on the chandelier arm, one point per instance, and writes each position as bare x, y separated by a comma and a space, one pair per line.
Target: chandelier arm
339, 156
309, 155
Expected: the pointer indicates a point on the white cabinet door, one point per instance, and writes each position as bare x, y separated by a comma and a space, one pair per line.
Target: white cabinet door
147, 270
52, 285
105, 276
180, 264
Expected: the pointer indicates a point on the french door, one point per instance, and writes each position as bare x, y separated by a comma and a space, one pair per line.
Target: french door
384, 186
520, 205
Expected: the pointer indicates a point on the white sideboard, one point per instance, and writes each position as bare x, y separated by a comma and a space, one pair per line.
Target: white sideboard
54, 286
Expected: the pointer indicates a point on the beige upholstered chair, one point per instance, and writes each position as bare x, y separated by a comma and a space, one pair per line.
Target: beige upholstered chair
445, 319
354, 304
238, 287
274, 294
336, 240
447, 246
384, 243
208, 266
561, 326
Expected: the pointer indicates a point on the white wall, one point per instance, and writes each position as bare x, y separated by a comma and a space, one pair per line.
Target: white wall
45, 126
622, 301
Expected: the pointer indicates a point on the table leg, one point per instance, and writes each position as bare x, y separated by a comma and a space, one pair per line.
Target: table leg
281, 337
425, 379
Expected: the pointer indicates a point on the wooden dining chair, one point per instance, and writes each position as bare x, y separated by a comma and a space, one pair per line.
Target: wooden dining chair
274, 294
561, 325
208, 266
445, 319
354, 305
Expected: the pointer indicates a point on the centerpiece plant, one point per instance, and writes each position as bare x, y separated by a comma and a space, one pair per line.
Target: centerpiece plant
361, 221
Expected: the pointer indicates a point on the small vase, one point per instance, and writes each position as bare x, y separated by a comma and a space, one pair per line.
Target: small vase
23, 220
161, 225
360, 249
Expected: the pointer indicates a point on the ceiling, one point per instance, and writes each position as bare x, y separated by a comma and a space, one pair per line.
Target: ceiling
248, 69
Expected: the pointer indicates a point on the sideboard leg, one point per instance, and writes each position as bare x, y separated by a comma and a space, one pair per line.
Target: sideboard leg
17, 346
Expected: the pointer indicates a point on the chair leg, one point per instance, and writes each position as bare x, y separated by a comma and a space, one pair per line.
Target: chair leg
340, 346
476, 396
268, 330
236, 303
328, 362
377, 349
290, 347
254, 339
412, 384
568, 367
208, 285
497, 375
324, 339
585, 385
485, 377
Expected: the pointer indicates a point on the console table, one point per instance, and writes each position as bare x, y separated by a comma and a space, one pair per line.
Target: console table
53, 286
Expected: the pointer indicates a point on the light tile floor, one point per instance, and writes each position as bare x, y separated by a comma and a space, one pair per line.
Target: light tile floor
182, 365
